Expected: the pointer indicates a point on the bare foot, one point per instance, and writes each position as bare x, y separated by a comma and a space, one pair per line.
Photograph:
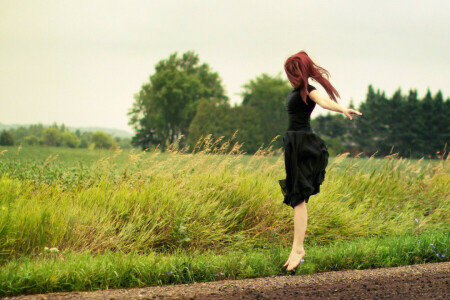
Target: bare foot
295, 258
287, 262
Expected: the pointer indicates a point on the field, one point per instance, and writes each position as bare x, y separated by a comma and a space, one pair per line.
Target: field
77, 219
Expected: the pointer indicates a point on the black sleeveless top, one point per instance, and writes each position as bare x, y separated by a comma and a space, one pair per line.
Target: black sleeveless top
299, 113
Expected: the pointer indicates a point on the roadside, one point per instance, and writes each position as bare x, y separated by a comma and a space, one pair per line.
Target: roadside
422, 281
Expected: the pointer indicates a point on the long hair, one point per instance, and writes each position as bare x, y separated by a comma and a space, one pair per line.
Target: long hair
299, 67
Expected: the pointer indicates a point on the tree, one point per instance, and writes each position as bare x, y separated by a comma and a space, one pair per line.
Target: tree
203, 123
31, 140
413, 125
19, 133
224, 120
333, 128
403, 124
6, 138
103, 140
83, 143
62, 128
395, 117
166, 105
441, 122
36, 130
371, 131
332, 125
70, 139
52, 136
268, 95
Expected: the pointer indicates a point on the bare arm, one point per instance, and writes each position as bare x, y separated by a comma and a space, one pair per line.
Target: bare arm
327, 103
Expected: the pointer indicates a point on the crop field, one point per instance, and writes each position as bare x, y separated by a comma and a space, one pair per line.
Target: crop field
79, 219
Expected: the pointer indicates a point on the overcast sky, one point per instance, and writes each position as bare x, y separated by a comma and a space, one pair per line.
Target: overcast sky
80, 62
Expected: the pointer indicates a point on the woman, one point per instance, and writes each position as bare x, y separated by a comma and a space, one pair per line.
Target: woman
305, 153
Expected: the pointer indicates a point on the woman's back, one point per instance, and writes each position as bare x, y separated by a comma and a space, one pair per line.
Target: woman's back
299, 113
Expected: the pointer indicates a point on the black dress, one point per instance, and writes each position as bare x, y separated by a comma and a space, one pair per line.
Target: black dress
305, 153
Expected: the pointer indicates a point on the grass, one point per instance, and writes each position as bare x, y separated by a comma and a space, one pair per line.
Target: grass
73, 271
126, 218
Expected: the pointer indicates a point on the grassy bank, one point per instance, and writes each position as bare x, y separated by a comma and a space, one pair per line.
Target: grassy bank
72, 271
126, 218
199, 201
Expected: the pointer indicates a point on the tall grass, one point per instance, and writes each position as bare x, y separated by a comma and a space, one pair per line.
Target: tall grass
81, 219
215, 198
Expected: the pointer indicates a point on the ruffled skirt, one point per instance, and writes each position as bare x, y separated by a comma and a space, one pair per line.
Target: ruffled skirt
305, 157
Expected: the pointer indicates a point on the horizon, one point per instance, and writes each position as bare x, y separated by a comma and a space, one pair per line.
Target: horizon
72, 128
131, 132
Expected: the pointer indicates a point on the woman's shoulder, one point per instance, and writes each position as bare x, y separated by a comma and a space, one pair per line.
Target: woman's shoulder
310, 88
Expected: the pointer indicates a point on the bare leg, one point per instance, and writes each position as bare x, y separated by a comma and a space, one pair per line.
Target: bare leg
300, 223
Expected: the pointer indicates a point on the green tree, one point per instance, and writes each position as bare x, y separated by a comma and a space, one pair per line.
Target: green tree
335, 145
403, 124
36, 130
268, 95
51, 136
70, 139
332, 125
441, 123
31, 140
333, 128
371, 131
84, 143
62, 128
203, 123
6, 138
103, 140
250, 133
412, 125
165, 106
224, 120
20, 133
394, 122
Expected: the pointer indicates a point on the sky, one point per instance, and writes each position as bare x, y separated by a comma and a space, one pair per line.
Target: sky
79, 62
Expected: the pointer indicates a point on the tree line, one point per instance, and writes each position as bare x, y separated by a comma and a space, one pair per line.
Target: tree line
60, 136
185, 100
403, 124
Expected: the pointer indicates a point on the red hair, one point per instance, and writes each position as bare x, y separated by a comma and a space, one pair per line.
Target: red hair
299, 67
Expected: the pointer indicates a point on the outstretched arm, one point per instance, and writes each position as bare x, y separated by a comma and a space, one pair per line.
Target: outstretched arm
327, 103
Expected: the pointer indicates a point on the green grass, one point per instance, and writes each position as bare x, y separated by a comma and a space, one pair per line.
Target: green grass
139, 213
72, 271
56, 163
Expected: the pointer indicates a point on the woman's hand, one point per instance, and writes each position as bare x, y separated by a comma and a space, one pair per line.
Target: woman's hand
349, 111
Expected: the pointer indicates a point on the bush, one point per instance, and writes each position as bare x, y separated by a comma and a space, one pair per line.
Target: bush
6, 138
31, 140
52, 137
70, 139
83, 144
103, 140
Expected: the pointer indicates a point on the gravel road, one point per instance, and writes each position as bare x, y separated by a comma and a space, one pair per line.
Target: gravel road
424, 281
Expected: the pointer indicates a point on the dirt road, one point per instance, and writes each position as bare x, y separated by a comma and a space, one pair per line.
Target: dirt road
426, 281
